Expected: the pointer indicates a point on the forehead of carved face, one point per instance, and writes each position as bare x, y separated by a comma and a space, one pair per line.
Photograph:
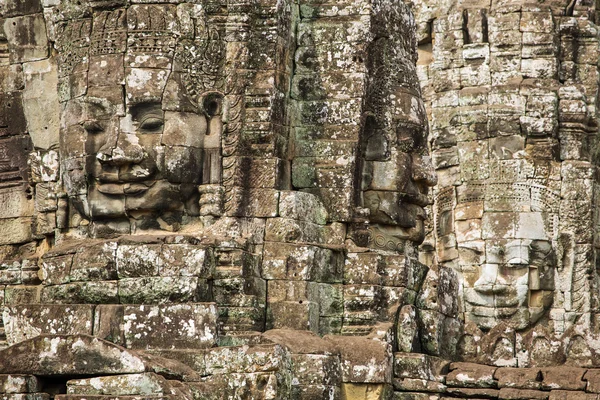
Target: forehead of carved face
133, 144
514, 284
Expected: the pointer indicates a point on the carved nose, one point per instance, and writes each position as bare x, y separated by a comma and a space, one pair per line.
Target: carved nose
125, 151
488, 279
422, 170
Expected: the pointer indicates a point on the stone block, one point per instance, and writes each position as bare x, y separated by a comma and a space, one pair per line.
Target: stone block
53, 355
298, 291
301, 342
177, 326
95, 262
300, 315
186, 260
31, 396
366, 391
564, 378
571, 395
55, 270
108, 323
301, 262
418, 385
335, 85
10, 277
258, 203
19, 384
237, 292
317, 369
22, 322
316, 392
95, 292
11, 8
468, 375
520, 378
22, 294
239, 386
15, 203
245, 359
40, 103
592, 376
522, 394
260, 173
138, 260
15, 230
154, 290
337, 200
240, 323
102, 397
302, 206
292, 231
363, 268
363, 360
473, 393
420, 366
146, 384
141, 81
26, 37
540, 21
193, 358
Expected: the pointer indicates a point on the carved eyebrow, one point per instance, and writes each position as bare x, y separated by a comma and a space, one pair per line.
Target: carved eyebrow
98, 104
97, 101
142, 108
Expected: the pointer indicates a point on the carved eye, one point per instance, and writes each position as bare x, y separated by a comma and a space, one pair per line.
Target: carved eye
151, 123
92, 126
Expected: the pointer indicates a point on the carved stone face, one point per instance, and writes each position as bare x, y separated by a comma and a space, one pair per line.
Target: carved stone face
515, 283
139, 157
397, 170
133, 144
395, 190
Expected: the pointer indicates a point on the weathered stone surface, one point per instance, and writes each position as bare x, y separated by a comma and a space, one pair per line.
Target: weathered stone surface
245, 359
420, 366
522, 378
363, 360
569, 395
50, 355
170, 326
272, 160
563, 378
41, 109
471, 375
522, 394
28, 321
593, 381
19, 384
418, 385
27, 38
118, 385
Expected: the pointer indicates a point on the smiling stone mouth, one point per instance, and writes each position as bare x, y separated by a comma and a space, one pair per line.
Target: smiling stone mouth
124, 188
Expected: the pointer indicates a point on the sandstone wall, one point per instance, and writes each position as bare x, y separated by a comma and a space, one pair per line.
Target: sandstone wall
512, 94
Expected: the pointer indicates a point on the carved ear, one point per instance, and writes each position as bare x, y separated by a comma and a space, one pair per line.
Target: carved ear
212, 104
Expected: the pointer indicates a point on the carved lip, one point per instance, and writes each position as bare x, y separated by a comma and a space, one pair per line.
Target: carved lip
499, 312
117, 189
418, 199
